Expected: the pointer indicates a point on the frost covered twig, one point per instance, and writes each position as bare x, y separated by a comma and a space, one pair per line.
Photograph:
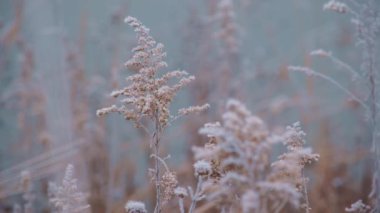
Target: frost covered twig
310, 72
66, 197
354, 74
181, 193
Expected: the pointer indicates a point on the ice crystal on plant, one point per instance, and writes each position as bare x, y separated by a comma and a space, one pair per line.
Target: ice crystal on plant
135, 207
336, 6
202, 168
358, 207
193, 109
320, 52
180, 192
66, 197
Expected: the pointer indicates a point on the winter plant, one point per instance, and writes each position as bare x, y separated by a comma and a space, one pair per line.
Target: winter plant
66, 197
365, 17
234, 168
148, 96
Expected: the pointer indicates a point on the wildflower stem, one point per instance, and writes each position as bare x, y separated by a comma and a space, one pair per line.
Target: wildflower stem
374, 114
344, 65
181, 207
156, 144
161, 160
281, 206
309, 71
195, 197
306, 197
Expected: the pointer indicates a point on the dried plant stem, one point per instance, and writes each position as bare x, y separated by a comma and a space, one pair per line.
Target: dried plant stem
280, 207
195, 196
156, 144
311, 72
161, 160
339, 62
373, 110
181, 206
306, 197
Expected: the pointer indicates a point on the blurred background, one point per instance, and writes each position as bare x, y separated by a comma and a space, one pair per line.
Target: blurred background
60, 59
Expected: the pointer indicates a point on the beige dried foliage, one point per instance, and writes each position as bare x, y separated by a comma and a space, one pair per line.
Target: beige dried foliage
169, 183
148, 94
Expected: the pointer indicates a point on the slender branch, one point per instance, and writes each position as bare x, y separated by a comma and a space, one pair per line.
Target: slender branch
306, 197
280, 207
156, 144
181, 206
143, 127
352, 12
355, 74
374, 114
161, 160
309, 71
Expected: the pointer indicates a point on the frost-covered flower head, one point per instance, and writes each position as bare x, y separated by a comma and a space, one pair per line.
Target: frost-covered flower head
294, 136
135, 207
358, 207
336, 6
239, 122
202, 168
180, 192
288, 168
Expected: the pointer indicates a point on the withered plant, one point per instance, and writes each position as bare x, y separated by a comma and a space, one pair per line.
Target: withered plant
365, 17
234, 169
148, 97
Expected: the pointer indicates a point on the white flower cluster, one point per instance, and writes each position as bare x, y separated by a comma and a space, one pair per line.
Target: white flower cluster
336, 6
202, 168
135, 207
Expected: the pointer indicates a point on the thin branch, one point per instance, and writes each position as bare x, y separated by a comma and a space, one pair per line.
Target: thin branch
161, 160
195, 196
156, 144
306, 196
311, 72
